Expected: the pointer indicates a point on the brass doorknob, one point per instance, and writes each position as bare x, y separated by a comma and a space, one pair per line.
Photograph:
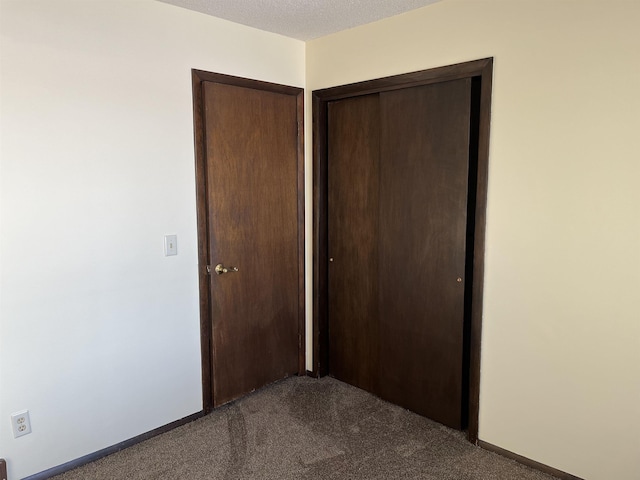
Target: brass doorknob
220, 269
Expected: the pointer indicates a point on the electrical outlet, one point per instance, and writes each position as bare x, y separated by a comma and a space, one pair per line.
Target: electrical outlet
20, 423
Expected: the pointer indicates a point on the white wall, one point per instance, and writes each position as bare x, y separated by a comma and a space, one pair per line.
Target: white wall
560, 379
99, 332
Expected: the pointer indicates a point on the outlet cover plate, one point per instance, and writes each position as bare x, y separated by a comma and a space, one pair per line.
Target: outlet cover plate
20, 423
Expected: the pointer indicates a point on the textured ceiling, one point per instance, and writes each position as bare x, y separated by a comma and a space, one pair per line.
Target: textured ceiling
302, 19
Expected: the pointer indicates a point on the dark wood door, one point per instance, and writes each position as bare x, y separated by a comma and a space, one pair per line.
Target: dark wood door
252, 175
397, 206
353, 209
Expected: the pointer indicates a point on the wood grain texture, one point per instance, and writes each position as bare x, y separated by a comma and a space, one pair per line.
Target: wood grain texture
479, 71
272, 207
302, 299
320, 240
405, 80
353, 158
397, 203
253, 217
203, 236
423, 208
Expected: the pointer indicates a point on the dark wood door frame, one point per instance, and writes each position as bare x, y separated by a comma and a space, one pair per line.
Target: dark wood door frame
206, 335
480, 71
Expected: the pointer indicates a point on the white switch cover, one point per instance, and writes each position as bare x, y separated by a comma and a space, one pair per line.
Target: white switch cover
170, 245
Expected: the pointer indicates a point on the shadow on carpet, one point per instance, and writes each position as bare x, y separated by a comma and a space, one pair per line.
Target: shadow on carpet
306, 428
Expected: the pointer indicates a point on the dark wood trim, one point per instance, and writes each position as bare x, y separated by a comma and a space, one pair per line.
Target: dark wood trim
405, 80
527, 461
204, 76
206, 335
92, 457
477, 296
481, 70
3, 469
320, 233
302, 343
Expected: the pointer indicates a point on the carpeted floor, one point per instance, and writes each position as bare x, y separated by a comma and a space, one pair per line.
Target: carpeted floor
305, 428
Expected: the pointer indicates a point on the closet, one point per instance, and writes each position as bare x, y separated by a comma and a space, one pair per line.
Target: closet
397, 203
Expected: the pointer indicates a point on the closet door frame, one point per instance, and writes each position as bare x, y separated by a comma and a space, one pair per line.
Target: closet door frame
480, 71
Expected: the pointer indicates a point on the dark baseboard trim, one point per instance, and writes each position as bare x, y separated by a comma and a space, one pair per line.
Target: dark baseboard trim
527, 461
312, 374
92, 457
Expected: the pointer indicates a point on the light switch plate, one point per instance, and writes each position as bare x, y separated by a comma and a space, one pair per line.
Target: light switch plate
170, 245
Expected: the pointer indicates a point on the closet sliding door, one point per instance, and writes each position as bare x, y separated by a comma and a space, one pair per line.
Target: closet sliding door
397, 235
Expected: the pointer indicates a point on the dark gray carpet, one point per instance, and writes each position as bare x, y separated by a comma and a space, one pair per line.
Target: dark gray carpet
304, 428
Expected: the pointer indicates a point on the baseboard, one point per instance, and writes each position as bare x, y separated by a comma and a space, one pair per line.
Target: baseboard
92, 457
527, 461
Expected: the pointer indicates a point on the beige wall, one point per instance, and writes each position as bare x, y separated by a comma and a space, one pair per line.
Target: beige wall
561, 334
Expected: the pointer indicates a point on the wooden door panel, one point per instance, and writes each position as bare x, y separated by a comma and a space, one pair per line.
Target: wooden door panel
423, 206
353, 158
479, 73
251, 150
397, 202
